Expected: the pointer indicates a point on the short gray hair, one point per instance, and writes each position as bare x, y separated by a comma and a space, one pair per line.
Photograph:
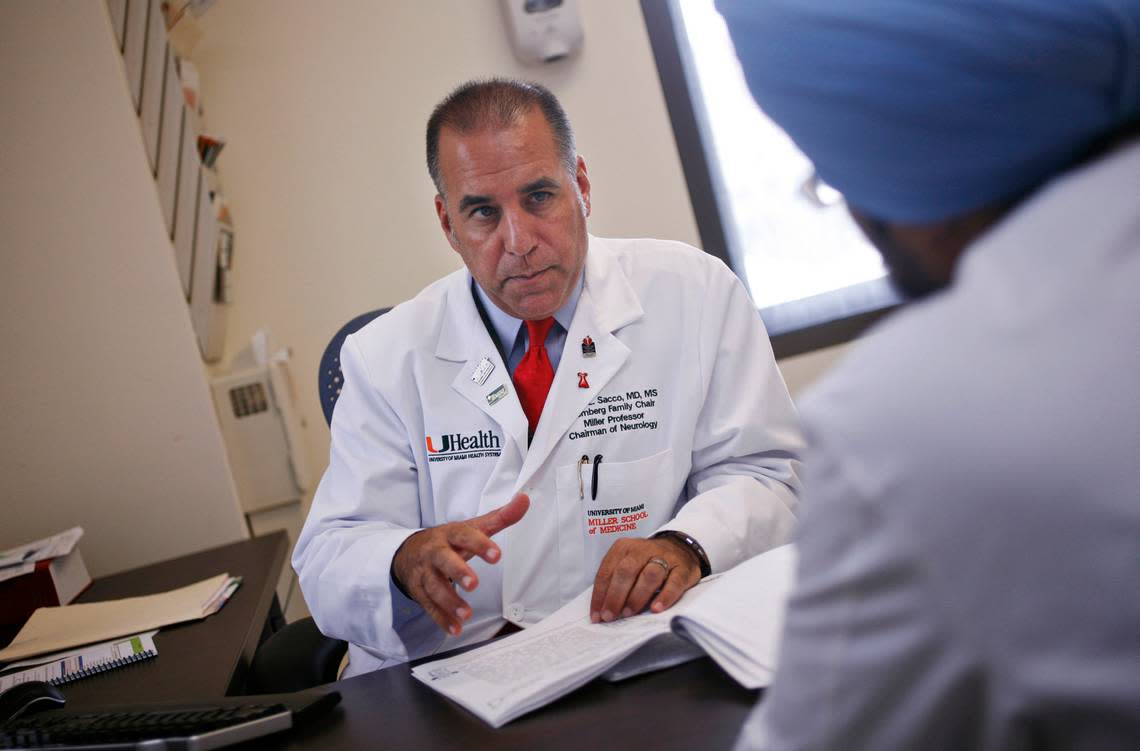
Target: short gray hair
498, 102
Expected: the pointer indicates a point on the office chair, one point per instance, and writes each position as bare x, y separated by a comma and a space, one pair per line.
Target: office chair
329, 379
299, 656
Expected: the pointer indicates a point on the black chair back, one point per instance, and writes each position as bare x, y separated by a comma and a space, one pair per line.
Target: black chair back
329, 378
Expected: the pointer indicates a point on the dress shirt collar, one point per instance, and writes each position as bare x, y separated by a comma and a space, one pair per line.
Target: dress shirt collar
507, 326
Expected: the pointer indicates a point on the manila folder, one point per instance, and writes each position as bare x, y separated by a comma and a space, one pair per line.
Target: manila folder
54, 629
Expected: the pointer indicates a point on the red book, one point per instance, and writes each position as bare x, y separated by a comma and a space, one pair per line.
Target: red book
54, 581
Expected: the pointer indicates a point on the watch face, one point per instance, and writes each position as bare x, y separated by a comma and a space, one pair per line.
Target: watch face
537, 6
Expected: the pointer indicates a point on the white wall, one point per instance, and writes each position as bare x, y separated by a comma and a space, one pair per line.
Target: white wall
107, 420
801, 371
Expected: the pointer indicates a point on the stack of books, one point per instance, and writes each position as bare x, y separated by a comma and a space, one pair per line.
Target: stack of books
44, 573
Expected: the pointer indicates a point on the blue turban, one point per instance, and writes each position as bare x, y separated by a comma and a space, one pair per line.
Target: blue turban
919, 110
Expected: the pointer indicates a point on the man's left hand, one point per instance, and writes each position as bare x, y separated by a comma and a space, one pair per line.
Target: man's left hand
636, 570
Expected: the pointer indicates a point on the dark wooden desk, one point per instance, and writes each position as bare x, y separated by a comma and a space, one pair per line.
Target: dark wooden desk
198, 659
694, 706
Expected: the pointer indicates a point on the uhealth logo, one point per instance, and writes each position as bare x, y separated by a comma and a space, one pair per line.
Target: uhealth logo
458, 446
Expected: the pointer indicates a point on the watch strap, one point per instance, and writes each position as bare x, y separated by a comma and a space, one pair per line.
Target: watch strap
689, 542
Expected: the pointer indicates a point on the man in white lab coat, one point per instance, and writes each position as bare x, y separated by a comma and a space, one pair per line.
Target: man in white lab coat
609, 411
970, 547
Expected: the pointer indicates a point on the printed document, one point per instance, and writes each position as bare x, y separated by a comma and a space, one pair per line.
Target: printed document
736, 618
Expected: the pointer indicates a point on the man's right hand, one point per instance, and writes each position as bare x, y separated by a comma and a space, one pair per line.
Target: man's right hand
431, 560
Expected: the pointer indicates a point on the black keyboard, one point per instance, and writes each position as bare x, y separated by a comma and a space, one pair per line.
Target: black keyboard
192, 727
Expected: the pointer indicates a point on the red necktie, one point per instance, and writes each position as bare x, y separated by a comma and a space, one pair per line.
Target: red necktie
534, 373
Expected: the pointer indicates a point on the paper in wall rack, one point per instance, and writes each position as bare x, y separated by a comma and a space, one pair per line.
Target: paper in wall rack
209, 147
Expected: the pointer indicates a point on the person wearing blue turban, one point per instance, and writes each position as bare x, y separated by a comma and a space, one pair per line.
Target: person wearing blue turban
970, 541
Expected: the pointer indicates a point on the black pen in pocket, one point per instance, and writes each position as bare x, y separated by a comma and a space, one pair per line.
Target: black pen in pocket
594, 481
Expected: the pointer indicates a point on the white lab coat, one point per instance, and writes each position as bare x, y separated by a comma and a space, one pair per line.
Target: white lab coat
683, 401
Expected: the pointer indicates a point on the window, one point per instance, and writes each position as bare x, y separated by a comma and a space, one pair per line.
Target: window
815, 278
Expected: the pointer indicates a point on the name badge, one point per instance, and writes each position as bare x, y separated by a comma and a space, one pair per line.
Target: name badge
482, 370
497, 395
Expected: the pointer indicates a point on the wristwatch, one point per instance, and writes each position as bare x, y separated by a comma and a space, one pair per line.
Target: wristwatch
691, 544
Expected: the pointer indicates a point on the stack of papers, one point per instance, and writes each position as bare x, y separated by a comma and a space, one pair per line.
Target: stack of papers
221, 595
22, 560
40, 574
53, 629
736, 618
